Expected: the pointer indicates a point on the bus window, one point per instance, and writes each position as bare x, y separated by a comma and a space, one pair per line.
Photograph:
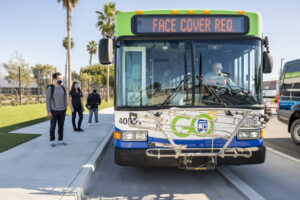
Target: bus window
291, 79
148, 71
134, 86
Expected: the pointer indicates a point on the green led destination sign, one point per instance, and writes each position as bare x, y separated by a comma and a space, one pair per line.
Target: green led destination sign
190, 24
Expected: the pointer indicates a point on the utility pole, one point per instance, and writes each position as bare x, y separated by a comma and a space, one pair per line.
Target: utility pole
281, 67
20, 85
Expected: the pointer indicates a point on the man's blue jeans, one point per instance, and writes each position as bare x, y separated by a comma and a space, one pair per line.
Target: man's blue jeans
93, 110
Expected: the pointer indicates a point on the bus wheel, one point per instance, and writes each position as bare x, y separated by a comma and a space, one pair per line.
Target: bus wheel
295, 131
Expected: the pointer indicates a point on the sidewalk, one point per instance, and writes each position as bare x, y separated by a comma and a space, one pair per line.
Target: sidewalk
34, 170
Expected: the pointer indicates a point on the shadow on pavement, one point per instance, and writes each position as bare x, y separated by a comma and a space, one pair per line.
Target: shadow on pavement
34, 170
115, 182
284, 145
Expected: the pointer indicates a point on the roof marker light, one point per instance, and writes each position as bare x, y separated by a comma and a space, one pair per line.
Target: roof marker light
139, 12
175, 12
241, 12
206, 11
191, 12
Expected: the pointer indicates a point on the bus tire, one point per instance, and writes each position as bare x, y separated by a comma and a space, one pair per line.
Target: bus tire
295, 128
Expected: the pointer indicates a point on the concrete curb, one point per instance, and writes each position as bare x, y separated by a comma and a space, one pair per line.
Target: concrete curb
79, 184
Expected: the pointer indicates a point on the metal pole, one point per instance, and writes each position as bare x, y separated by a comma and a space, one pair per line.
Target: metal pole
107, 84
281, 66
20, 85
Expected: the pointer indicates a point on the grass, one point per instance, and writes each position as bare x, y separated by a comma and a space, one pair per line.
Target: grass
16, 117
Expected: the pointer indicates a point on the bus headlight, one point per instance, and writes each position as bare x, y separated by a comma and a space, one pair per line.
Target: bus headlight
248, 134
135, 135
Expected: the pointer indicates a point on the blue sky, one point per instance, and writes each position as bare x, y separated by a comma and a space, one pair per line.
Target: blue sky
35, 28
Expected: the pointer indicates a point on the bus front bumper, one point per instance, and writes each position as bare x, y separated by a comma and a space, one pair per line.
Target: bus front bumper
138, 157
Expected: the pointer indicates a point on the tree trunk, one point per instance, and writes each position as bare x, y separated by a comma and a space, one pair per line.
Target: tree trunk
38, 93
107, 84
91, 58
69, 48
66, 71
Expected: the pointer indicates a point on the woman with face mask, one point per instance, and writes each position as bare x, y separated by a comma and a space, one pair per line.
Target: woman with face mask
76, 105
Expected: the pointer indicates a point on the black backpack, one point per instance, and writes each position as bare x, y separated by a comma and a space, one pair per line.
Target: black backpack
52, 91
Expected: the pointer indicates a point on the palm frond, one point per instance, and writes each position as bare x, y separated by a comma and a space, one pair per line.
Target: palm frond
106, 19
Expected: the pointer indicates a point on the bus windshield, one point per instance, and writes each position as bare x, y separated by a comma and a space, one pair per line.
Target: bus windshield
184, 72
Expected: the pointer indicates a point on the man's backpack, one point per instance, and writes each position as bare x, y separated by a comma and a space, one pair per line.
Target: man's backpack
52, 91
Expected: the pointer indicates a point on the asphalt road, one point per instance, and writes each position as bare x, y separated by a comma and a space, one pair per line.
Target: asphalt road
278, 138
278, 178
116, 182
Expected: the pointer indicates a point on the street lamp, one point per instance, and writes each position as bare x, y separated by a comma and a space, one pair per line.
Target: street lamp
281, 67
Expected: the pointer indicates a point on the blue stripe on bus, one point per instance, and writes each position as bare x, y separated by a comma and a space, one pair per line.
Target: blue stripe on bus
195, 143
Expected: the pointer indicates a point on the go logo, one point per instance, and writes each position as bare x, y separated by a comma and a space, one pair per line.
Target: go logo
200, 126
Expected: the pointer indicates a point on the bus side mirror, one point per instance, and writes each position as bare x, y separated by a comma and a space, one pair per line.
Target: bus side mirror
106, 52
267, 62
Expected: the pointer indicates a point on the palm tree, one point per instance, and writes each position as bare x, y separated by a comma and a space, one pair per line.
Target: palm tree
65, 45
106, 19
69, 5
92, 49
106, 25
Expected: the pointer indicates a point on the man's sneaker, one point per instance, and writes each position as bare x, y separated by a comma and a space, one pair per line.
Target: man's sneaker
79, 129
89, 124
97, 124
62, 143
52, 144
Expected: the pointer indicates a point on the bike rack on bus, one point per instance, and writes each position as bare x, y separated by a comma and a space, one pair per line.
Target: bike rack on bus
160, 121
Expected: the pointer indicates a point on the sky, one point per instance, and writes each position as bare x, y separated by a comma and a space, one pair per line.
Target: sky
35, 28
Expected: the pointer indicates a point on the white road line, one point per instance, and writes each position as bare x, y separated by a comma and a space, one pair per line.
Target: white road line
239, 184
283, 155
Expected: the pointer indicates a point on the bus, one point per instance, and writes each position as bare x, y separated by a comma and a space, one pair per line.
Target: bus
270, 89
188, 88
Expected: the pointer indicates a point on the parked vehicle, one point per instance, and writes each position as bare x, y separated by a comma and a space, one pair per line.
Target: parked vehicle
270, 89
288, 109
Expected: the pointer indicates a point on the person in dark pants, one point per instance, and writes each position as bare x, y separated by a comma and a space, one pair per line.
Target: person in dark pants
76, 105
56, 102
93, 101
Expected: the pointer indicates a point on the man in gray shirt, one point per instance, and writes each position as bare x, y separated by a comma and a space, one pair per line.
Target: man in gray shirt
56, 101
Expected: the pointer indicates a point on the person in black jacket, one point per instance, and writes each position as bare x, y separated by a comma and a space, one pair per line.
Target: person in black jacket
76, 105
93, 101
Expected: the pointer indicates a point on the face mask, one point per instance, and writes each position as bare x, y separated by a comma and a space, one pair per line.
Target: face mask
59, 82
95, 91
76, 86
218, 68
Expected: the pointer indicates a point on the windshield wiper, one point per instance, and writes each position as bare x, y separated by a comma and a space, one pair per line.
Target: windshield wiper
172, 95
214, 93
